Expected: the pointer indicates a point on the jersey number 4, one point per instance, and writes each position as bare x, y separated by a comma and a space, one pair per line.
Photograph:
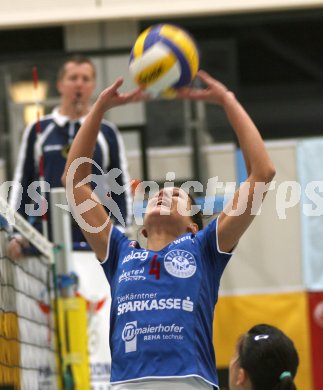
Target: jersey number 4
155, 268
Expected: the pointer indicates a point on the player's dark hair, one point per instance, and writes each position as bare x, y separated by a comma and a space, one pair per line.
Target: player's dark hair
269, 358
77, 59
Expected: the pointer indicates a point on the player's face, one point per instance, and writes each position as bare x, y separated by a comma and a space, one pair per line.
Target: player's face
77, 83
171, 201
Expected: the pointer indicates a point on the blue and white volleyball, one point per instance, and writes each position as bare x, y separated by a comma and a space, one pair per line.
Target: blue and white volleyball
163, 59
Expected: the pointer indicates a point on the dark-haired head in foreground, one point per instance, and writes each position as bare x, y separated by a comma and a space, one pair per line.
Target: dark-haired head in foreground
265, 359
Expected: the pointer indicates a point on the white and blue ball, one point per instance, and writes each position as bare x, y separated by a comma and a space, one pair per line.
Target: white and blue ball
163, 59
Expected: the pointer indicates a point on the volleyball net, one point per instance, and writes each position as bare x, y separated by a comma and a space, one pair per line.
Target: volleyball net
28, 344
43, 333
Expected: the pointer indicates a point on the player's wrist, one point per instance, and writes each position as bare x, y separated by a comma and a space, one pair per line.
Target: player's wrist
228, 99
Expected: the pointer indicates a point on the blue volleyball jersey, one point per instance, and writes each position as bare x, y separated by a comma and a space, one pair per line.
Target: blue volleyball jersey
163, 305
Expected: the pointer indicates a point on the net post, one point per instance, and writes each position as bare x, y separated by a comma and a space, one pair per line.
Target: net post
62, 236
71, 310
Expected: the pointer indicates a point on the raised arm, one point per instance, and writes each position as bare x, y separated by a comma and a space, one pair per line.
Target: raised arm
237, 216
95, 221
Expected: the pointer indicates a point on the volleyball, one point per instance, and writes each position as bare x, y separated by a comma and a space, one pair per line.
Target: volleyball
163, 59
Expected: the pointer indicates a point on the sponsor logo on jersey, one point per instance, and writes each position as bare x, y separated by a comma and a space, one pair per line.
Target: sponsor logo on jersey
136, 296
129, 336
149, 333
136, 255
181, 239
156, 304
180, 263
132, 275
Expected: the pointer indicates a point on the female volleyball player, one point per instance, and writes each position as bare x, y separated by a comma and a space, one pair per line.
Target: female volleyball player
163, 296
265, 359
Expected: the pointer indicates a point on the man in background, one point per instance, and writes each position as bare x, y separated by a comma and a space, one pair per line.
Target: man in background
50, 140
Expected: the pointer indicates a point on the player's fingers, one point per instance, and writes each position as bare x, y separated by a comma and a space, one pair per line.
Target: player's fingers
204, 76
191, 94
116, 84
137, 95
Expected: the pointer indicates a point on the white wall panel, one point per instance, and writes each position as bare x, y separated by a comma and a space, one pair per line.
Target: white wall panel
220, 160
164, 160
42, 12
134, 165
92, 35
83, 36
269, 255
